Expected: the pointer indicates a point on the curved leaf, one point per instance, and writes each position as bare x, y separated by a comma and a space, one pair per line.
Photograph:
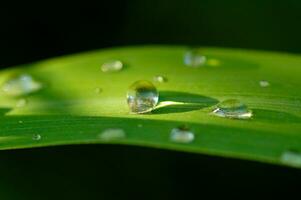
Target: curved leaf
69, 111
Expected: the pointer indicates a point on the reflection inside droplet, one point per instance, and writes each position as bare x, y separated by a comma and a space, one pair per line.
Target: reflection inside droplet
142, 97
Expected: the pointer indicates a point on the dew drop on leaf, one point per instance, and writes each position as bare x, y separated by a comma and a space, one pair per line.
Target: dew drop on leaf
291, 158
264, 83
181, 134
160, 79
142, 97
97, 90
112, 66
21, 85
112, 134
232, 108
37, 137
194, 58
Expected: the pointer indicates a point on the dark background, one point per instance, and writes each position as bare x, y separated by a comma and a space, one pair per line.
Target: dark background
126, 172
32, 31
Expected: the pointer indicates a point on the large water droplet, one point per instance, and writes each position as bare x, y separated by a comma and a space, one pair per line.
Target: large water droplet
232, 108
112, 134
21, 103
264, 83
181, 134
112, 66
142, 97
160, 79
21, 85
193, 58
291, 158
37, 137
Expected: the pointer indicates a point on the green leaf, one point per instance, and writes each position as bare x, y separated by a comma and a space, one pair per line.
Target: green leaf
69, 111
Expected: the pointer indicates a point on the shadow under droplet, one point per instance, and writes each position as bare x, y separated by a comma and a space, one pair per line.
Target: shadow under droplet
176, 102
275, 116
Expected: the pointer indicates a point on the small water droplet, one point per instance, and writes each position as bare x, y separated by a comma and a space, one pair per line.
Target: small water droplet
291, 158
37, 137
142, 97
21, 85
181, 134
213, 62
21, 103
98, 90
160, 79
193, 58
264, 83
20, 122
140, 125
112, 134
232, 108
112, 66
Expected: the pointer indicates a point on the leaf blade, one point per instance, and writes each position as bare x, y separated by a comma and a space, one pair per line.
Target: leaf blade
68, 111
